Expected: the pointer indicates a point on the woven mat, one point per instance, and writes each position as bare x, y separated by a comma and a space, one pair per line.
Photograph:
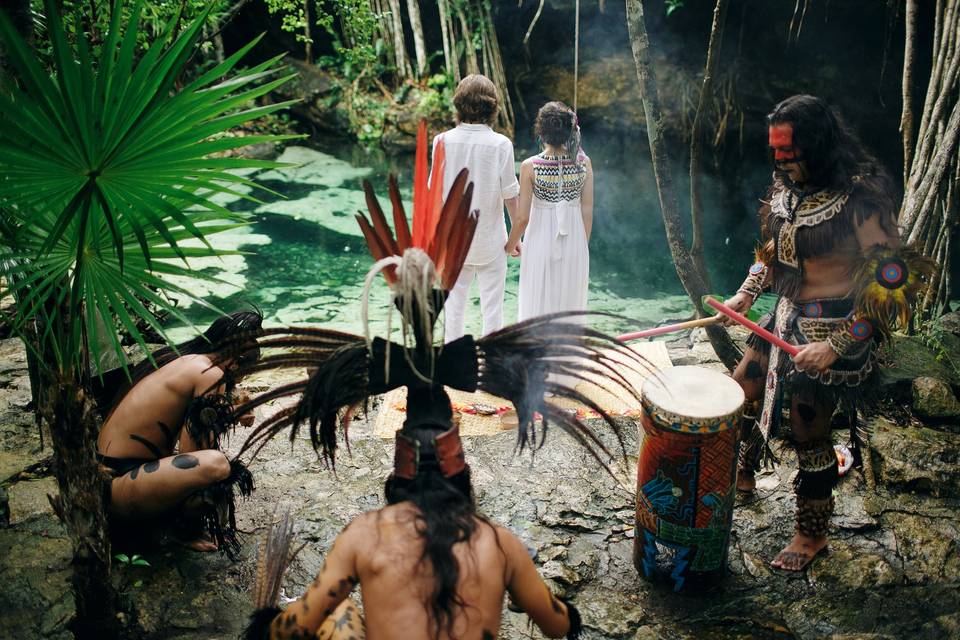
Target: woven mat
392, 411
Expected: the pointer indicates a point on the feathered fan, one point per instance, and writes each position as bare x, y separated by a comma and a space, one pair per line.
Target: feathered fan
888, 281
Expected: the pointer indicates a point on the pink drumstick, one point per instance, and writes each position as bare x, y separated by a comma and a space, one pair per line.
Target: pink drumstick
670, 328
753, 326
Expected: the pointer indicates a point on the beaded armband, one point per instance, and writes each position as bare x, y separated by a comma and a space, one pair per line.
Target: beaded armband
848, 334
753, 285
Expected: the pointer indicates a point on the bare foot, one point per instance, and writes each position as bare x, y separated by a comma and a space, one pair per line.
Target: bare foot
799, 553
746, 482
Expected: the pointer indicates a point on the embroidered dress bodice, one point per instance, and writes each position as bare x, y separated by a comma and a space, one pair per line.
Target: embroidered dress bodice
555, 267
557, 178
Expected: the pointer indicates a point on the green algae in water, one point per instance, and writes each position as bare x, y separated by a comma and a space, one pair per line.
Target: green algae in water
306, 259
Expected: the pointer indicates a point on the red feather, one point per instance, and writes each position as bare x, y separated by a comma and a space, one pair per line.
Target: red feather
420, 191
399, 216
377, 250
435, 195
380, 221
447, 220
455, 261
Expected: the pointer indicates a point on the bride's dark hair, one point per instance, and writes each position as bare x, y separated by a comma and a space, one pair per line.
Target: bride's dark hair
556, 125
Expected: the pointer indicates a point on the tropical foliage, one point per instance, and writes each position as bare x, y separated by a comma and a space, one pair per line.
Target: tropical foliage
90, 20
110, 164
108, 175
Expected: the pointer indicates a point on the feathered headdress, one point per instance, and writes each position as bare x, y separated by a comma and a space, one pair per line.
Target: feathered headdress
521, 362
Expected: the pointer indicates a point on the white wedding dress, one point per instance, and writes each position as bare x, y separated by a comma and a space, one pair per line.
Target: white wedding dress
555, 260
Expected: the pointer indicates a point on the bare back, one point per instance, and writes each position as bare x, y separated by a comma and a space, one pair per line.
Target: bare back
395, 584
381, 551
154, 409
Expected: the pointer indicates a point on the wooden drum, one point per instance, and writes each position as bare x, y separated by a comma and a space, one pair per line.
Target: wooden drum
687, 473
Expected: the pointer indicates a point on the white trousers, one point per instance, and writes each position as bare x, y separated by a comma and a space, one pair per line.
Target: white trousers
492, 279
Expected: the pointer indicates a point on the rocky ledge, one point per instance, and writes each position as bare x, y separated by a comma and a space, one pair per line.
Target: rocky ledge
892, 570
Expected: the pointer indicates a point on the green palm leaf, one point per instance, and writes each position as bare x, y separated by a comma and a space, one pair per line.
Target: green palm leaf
107, 186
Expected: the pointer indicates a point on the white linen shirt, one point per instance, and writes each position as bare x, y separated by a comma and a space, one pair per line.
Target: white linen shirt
488, 156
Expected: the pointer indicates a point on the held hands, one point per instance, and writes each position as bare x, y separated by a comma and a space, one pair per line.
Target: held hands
815, 357
740, 303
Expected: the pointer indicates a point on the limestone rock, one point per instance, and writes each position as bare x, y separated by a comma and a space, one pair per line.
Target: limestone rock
917, 458
613, 613
933, 398
319, 94
950, 322
29, 498
853, 568
907, 358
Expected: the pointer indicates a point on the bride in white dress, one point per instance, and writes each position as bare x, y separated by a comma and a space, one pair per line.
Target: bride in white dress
556, 194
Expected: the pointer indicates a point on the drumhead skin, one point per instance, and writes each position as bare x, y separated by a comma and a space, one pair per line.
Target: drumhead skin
692, 399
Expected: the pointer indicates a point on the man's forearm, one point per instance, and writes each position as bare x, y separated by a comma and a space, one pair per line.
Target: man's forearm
518, 222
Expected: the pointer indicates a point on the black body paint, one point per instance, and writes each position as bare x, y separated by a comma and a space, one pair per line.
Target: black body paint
152, 448
754, 370
185, 461
806, 411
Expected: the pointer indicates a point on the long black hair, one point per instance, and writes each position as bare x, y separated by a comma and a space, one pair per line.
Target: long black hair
835, 157
447, 516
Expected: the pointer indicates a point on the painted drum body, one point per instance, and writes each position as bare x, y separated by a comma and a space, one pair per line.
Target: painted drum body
687, 473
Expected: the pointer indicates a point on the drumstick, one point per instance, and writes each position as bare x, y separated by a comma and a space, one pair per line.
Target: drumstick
753, 326
670, 328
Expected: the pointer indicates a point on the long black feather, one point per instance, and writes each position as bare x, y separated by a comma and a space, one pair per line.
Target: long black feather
523, 361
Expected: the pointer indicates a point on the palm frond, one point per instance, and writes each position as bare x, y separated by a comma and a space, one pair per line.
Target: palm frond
106, 165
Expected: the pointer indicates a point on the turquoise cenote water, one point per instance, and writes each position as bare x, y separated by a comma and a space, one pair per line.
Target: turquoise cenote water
305, 259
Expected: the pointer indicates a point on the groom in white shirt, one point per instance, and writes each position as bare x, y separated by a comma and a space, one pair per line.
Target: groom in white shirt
489, 158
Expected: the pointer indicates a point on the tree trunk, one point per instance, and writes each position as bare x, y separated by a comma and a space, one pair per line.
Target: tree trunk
80, 505
507, 118
449, 53
399, 45
690, 277
906, 119
413, 12
696, 138
468, 44
930, 209
385, 29
218, 49
308, 38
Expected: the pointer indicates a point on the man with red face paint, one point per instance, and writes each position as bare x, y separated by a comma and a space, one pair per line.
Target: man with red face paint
830, 250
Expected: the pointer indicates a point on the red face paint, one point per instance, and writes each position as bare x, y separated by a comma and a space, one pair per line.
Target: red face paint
781, 142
